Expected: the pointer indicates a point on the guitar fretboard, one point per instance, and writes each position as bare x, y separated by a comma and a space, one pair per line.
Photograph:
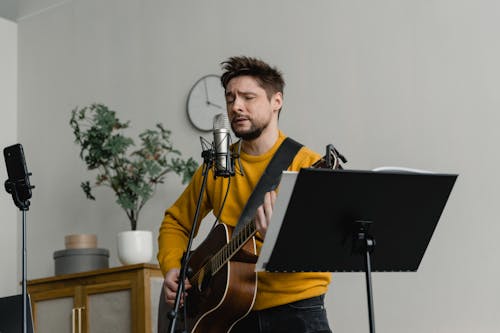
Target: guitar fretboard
225, 254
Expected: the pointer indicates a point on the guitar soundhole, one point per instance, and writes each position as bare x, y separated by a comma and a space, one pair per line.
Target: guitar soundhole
205, 282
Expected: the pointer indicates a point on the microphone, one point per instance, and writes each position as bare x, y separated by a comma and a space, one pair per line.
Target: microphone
223, 161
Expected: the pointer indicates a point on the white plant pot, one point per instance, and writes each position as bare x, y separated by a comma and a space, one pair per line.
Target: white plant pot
135, 247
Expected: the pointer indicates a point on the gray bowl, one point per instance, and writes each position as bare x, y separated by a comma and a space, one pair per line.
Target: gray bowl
69, 261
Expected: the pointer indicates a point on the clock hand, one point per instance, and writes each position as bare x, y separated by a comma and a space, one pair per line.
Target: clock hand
213, 104
206, 91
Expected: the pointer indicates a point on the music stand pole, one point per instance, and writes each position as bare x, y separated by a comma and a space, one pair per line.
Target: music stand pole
364, 244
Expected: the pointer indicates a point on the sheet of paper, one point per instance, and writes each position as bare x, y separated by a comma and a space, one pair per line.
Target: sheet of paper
401, 169
285, 190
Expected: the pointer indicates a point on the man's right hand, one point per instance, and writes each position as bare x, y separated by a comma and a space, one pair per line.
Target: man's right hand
171, 284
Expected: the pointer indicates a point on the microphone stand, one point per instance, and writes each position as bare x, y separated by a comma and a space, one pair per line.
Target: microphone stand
208, 159
23, 205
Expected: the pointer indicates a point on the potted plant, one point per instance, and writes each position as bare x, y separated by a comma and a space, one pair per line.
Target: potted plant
133, 174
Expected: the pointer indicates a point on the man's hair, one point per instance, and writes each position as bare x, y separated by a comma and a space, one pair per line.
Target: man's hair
269, 78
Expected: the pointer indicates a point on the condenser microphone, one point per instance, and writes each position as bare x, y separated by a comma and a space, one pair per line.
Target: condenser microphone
223, 161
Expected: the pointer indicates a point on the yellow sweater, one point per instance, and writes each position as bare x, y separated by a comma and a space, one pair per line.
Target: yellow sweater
272, 288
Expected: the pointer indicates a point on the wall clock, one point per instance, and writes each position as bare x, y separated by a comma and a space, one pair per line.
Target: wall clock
205, 100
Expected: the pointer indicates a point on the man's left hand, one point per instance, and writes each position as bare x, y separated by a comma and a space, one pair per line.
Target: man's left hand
264, 212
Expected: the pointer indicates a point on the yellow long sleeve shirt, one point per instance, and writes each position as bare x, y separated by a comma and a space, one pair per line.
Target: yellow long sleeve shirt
272, 288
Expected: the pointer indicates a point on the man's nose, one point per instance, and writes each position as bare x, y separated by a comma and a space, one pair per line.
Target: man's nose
237, 105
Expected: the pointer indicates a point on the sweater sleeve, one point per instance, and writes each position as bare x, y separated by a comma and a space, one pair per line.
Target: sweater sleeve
304, 159
177, 224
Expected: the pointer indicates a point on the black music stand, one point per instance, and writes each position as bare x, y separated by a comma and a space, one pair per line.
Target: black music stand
353, 221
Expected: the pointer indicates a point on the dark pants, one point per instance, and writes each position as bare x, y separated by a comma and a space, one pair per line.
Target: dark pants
305, 316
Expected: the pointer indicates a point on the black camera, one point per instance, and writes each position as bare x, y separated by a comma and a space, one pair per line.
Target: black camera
18, 184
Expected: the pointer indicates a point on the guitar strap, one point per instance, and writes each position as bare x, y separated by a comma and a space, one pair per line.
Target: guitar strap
269, 180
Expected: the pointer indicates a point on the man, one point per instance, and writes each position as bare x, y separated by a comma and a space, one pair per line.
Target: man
285, 302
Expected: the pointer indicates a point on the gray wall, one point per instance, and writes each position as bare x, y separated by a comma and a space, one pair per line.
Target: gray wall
9, 256
8, 9
409, 83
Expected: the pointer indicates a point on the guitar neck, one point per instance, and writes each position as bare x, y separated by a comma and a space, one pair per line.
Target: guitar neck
221, 257
230, 249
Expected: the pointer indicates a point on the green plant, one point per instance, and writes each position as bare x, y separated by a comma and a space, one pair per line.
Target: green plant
134, 175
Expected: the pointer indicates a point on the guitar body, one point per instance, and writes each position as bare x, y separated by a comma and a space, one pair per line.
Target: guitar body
215, 303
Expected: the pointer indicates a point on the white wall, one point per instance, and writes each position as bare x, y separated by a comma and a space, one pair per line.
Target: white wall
390, 82
9, 256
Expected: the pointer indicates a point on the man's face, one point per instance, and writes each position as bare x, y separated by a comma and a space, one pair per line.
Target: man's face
248, 107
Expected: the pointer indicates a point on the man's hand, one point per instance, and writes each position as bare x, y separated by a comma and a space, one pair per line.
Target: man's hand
171, 284
264, 212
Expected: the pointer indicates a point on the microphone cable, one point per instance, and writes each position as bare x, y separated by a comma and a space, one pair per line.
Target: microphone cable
217, 217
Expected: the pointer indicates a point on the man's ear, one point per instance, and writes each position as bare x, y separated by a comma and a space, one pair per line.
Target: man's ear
277, 101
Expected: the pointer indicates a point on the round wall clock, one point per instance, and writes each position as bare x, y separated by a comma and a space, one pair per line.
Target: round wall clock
205, 100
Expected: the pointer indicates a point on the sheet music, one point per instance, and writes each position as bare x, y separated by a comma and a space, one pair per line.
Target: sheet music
401, 169
287, 184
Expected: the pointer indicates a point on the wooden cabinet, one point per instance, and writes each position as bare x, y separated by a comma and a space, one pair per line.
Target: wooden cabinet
119, 299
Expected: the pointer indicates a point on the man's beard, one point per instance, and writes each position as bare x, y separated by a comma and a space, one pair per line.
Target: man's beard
253, 133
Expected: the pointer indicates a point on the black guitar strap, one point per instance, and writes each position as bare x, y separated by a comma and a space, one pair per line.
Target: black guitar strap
269, 180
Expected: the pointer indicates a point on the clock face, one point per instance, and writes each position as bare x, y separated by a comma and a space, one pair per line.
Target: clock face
205, 100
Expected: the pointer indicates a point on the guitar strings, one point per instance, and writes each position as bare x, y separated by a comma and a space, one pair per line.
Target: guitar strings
195, 276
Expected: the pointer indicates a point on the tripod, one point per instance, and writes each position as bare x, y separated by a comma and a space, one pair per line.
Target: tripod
18, 185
